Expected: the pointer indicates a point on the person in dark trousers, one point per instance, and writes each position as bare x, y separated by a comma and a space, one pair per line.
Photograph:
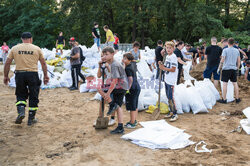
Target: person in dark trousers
212, 55
180, 58
158, 56
230, 63
75, 63
132, 95
96, 35
26, 56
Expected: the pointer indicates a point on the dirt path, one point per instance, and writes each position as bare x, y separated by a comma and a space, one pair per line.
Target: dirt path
64, 135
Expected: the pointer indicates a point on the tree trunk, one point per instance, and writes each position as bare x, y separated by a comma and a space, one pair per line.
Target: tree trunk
227, 6
246, 11
134, 25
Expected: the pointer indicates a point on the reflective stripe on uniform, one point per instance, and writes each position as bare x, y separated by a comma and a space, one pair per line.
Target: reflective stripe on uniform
21, 102
33, 108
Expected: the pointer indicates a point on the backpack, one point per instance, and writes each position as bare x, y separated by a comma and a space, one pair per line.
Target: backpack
82, 58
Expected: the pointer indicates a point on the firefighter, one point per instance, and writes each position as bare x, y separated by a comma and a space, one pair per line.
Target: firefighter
26, 56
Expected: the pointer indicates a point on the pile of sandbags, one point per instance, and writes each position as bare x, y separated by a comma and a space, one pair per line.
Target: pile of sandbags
245, 123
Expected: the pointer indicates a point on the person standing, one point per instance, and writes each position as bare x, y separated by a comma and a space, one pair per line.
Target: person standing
220, 43
75, 63
170, 79
5, 49
96, 35
26, 56
180, 58
230, 63
117, 41
212, 55
132, 95
109, 37
158, 56
60, 43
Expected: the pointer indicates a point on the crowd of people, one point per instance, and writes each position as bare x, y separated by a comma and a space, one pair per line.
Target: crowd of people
223, 61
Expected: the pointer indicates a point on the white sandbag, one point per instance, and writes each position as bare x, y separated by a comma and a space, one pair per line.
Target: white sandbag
97, 97
242, 69
206, 94
67, 65
245, 125
144, 70
83, 88
195, 101
230, 91
211, 86
246, 111
177, 99
186, 70
183, 98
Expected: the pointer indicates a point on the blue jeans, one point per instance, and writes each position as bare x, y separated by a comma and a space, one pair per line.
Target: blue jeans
97, 41
211, 70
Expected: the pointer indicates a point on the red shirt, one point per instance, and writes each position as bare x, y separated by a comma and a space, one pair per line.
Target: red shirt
5, 48
116, 40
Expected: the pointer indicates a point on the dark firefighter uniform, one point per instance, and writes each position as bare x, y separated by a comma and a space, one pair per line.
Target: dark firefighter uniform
26, 57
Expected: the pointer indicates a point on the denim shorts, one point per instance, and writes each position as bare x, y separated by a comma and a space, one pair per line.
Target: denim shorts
97, 41
211, 70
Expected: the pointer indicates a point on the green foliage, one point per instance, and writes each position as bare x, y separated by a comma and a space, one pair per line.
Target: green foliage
143, 20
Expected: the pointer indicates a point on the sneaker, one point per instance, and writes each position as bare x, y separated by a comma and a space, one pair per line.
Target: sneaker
111, 122
222, 101
169, 115
136, 123
73, 88
117, 131
238, 100
174, 118
130, 125
112, 108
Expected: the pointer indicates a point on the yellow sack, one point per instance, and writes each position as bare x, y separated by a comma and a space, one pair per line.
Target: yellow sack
164, 108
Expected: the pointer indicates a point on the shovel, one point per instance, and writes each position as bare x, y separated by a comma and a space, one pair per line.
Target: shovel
157, 111
102, 122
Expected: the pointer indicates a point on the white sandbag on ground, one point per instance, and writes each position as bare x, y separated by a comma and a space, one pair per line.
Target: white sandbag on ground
177, 99
195, 101
207, 96
83, 88
245, 123
159, 135
230, 91
183, 98
209, 83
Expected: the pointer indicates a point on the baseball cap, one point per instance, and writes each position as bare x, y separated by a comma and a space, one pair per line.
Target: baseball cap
26, 35
72, 39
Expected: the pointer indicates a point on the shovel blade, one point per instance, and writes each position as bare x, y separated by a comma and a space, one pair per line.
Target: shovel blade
102, 123
155, 115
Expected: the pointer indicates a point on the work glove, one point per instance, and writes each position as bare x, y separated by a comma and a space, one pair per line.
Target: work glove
137, 61
218, 71
127, 92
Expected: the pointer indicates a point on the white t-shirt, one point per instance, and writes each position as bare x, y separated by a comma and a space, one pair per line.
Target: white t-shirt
184, 51
171, 77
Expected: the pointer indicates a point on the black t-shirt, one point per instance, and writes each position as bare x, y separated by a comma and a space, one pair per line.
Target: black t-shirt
194, 51
60, 39
96, 32
158, 55
130, 71
178, 53
213, 53
202, 49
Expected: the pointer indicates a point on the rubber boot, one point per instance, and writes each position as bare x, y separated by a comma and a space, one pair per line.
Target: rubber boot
32, 119
21, 114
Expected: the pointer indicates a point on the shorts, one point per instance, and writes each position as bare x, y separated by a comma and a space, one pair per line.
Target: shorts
132, 99
118, 95
110, 44
208, 73
169, 91
59, 47
116, 46
97, 41
229, 75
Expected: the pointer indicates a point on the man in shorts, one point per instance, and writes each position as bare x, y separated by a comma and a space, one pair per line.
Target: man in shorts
231, 63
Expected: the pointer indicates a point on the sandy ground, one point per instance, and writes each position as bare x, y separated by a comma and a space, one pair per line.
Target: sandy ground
64, 135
